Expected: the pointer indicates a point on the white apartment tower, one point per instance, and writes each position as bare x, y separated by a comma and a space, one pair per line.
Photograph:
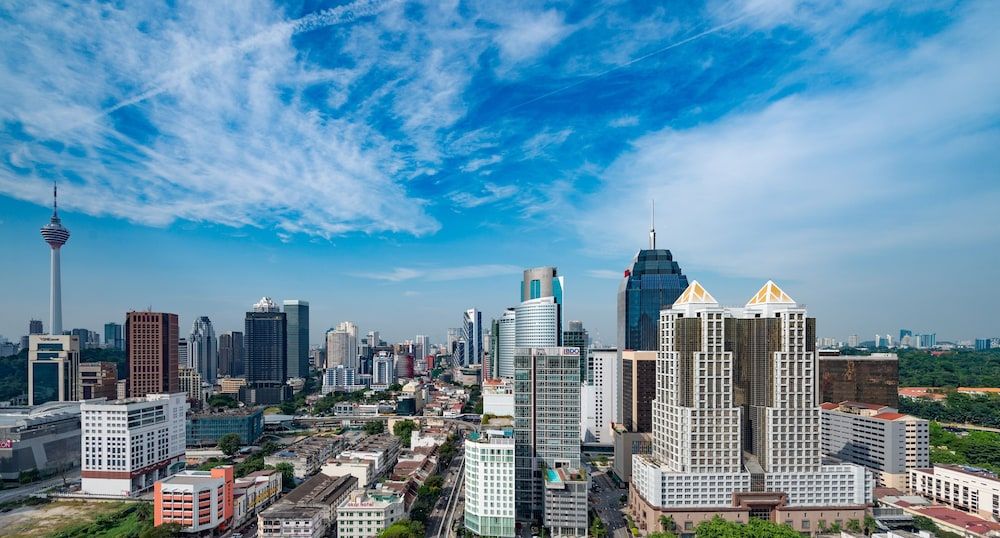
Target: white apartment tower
599, 397
736, 422
127, 445
489, 483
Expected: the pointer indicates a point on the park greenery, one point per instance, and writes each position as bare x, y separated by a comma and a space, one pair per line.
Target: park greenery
976, 448
374, 427
981, 410
961, 368
222, 401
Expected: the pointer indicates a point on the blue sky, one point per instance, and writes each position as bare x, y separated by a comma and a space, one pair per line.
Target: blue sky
395, 163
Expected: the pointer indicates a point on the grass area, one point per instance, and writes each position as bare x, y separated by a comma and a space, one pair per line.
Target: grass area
67, 519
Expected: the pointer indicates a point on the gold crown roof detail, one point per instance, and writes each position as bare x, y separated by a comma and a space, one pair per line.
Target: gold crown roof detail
695, 294
770, 293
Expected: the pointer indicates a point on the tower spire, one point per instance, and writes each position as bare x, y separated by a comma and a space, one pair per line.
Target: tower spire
652, 225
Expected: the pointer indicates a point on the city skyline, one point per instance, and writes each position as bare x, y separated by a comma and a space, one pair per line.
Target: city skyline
525, 137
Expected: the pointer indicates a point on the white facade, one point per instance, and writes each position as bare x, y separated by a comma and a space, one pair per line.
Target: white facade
498, 398
963, 488
127, 445
536, 323
489, 483
339, 377
599, 398
877, 437
383, 371
365, 514
507, 342
698, 459
190, 383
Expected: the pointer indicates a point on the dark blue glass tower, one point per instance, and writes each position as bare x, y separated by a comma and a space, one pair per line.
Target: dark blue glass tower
651, 283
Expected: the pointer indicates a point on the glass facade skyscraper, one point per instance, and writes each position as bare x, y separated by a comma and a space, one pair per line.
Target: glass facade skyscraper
297, 353
652, 282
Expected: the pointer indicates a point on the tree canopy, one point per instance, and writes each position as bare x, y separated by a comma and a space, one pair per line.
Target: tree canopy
756, 528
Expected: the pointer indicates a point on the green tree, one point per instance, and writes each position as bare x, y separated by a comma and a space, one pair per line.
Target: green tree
374, 427
854, 525
168, 530
287, 475
229, 444
404, 429
756, 528
403, 528
223, 400
667, 523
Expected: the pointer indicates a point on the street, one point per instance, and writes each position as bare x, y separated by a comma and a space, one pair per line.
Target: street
606, 501
38, 487
452, 482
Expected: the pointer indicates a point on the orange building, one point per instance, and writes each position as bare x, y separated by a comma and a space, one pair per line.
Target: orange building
196, 500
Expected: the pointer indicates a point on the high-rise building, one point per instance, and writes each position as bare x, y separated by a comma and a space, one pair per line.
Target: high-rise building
870, 378
454, 335
472, 333
903, 333
88, 338
184, 354
189, 380
231, 354
536, 323
98, 380
541, 282
599, 398
151, 351
203, 349
130, 444
56, 235
423, 346
638, 390
983, 344
297, 314
53, 368
266, 342
113, 336
853, 340
504, 339
489, 483
383, 371
652, 282
546, 419
35, 327
877, 437
736, 424
342, 345
576, 336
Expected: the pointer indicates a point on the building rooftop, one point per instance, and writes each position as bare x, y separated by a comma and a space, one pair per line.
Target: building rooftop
321, 489
959, 519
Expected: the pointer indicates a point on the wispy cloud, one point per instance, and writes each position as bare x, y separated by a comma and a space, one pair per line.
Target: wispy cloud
442, 274
808, 178
492, 193
628, 120
605, 273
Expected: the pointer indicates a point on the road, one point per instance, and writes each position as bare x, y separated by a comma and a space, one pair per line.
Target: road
38, 487
438, 521
605, 499
969, 427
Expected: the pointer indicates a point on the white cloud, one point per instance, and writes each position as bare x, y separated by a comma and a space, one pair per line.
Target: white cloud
525, 35
537, 145
441, 274
476, 164
605, 274
493, 193
625, 121
814, 178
